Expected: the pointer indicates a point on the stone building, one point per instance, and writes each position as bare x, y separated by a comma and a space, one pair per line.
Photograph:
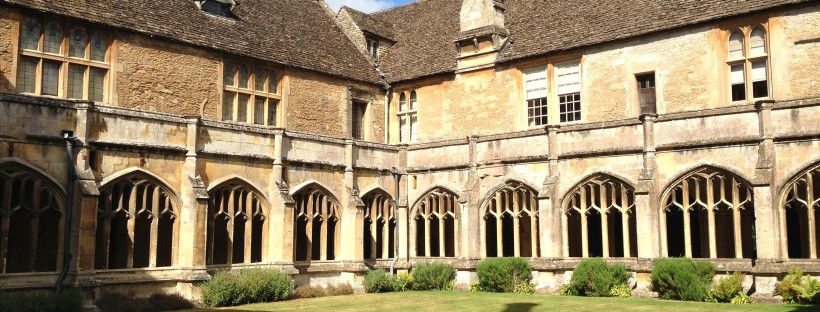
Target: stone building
145, 145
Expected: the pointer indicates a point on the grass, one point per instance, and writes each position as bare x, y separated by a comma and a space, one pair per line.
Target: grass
466, 301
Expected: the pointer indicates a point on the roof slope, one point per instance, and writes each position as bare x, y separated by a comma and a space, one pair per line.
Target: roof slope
425, 30
296, 33
369, 23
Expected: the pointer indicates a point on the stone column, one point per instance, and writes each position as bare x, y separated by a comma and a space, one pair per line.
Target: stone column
194, 200
471, 225
549, 206
84, 233
646, 205
766, 205
280, 233
352, 212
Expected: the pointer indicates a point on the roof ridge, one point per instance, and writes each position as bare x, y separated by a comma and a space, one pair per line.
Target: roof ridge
400, 6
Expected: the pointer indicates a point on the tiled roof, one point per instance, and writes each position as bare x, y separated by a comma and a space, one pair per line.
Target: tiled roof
370, 23
425, 30
297, 33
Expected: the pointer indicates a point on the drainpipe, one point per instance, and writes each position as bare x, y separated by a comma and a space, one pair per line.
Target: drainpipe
396, 178
69, 138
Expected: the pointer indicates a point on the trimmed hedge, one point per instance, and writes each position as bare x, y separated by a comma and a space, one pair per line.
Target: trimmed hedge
502, 274
683, 279
155, 303
432, 276
248, 286
596, 278
69, 300
378, 281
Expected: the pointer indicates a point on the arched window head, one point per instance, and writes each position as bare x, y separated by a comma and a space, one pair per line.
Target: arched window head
736, 45
757, 44
403, 102
413, 100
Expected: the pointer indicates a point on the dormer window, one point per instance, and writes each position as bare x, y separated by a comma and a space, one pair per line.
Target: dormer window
373, 48
217, 7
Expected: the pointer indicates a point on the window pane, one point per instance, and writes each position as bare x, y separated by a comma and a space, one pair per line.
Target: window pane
259, 80
242, 108
738, 74
228, 72
537, 112
30, 40
738, 80
99, 46
568, 77
96, 83
736, 45
402, 102
76, 78
272, 107
738, 92
413, 126
51, 78
244, 76
570, 107
259, 111
53, 38
757, 45
403, 128
413, 100
26, 77
760, 85
227, 105
77, 42
273, 82
535, 83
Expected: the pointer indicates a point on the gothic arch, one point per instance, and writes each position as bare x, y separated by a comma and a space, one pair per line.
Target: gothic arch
31, 219
434, 228
137, 222
510, 221
237, 223
599, 218
317, 224
799, 209
500, 186
379, 225
703, 204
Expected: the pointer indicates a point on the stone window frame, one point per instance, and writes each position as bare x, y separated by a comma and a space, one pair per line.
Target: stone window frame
576, 113
379, 226
801, 192
65, 60
550, 65
315, 204
372, 45
408, 113
231, 201
747, 60
15, 178
502, 203
438, 204
534, 119
734, 204
251, 92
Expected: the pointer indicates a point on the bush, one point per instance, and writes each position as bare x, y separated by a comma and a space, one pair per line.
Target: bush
727, 288
157, 302
249, 286
339, 290
682, 279
798, 288
567, 291
524, 288
41, 300
307, 291
595, 278
503, 274
404, 281
377, 281
432, 276
621, 291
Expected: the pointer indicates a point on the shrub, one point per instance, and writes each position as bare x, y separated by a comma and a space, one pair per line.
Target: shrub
157, 302
524, 288
41, 300
376, 281
404, 281
567, 291
503, 274
595, 278
307, 291
682, 279
798, 288
621, 291
432, 276
339, 290
727, 288
248, 286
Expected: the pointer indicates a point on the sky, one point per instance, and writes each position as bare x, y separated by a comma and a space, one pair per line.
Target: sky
367, 6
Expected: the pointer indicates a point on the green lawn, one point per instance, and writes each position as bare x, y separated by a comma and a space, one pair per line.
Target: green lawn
466, 301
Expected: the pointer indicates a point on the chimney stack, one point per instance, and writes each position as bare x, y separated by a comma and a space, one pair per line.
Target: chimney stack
482, 34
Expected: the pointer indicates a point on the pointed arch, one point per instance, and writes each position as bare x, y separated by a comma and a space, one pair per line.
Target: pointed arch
237, 224
379, 224
799, 210
434, 229
510, 221
137, 222
599, 218
702, 205
317, 223
31, 219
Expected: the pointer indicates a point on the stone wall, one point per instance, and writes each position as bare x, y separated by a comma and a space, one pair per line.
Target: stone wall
8, 33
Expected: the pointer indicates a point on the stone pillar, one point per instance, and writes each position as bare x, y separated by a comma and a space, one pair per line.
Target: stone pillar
646, 204
766, 205
472, 245
194, 199
352, 212
280, 233
84, 228
549, 206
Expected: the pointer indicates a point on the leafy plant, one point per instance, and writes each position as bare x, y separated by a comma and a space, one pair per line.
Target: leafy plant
524, 288
798, 288
567, 291
41, 300
432, 276
377, 281
621, 291
727, 288
248, 286
595, 278
157, 302
503, 274
683, 279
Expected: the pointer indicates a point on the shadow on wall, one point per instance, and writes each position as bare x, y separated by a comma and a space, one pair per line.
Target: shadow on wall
520, 307
5, 84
